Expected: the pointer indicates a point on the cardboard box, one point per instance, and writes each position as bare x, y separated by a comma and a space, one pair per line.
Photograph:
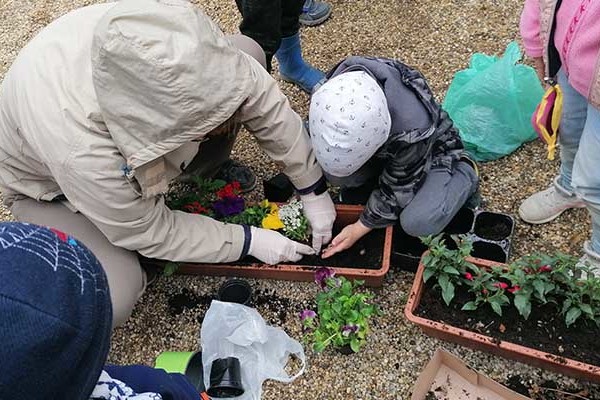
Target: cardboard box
446, 377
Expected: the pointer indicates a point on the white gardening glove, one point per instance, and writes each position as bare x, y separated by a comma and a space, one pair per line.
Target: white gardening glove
320, 212
273, 248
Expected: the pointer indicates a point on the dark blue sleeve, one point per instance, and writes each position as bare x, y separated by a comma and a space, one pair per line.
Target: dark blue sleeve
145, 379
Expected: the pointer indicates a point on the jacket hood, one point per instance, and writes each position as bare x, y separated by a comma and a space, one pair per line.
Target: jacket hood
164, 74
409, 100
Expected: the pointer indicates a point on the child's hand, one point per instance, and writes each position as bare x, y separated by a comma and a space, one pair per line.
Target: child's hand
346, 238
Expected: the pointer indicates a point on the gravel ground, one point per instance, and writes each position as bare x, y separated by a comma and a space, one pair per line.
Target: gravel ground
436, 36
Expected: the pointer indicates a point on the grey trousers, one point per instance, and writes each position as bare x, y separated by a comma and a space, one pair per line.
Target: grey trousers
126, 279
440, 198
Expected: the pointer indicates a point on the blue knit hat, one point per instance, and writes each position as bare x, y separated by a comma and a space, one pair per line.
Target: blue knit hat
55, 315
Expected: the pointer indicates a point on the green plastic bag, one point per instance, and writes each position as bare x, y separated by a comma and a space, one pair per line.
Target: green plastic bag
491, 103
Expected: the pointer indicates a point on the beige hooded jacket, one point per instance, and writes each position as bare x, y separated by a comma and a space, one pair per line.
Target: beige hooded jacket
95, 106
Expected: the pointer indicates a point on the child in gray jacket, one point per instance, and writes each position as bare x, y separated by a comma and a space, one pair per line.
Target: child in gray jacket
376, 127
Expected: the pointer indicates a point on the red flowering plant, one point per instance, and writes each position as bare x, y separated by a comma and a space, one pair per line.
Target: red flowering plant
487, 290
531, 281
449, 267
223, 201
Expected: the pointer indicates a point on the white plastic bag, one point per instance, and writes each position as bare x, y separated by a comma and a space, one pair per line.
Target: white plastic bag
234, 330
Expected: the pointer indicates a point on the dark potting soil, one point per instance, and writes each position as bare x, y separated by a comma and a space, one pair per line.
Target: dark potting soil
544, 330
186, 300
497, 231
366, 253
549, 389
277, 306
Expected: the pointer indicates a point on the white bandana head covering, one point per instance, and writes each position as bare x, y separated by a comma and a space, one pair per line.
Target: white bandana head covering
348, 120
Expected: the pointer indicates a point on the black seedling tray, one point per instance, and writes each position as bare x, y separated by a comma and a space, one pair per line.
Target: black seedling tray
491, 234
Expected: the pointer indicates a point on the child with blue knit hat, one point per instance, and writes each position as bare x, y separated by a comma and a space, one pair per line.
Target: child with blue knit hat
56, 324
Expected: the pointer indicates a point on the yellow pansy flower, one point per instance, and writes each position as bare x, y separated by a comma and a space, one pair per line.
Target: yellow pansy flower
272, 222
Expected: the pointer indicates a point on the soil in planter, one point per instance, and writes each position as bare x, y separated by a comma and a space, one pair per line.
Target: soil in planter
549, 389
544, 330
366, 253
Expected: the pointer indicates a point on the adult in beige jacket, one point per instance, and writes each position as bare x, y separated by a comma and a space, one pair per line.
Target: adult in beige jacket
110, 102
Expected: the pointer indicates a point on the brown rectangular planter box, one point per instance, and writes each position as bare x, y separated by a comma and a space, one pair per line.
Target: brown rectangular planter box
346, 214
481, 342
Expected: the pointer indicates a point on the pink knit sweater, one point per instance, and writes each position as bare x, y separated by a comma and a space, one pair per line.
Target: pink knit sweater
577, 38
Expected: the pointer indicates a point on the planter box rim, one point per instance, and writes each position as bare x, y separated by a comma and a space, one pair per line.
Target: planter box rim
483, 342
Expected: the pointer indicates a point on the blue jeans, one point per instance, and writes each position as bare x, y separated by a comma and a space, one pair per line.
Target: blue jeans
579, 139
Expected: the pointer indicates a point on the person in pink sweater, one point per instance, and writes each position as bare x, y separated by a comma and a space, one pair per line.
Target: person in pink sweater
577, 40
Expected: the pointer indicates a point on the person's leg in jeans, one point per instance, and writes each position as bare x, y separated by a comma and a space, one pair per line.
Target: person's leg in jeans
586, 179
126, 279
548, 204
442, 195
261, 21
572, 123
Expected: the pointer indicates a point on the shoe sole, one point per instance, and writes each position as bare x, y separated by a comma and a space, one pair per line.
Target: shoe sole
318, 21
546, 220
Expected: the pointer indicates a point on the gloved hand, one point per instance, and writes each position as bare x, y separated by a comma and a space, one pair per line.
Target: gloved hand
320, 212
143, 379
273, 248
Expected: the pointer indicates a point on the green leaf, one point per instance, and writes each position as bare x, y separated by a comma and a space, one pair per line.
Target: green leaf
496, 307
470, 306
448, 293
451, 270
337, 307
523, 304
355, 345
587, 309
566, 305
170, 268
540, 289
428, 273
444, 281
319, 347
572, 315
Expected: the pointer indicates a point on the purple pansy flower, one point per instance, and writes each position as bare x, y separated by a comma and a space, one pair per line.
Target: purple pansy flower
229, 206
322, 275
349, 329
307, 314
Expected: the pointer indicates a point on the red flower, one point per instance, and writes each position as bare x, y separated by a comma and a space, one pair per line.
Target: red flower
196, 208
545, 268
513, 289
527, 270
500, 285
484, 291
468, 276
230, 190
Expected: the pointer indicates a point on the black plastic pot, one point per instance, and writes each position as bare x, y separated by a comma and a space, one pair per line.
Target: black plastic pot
235, 291
195, 372
489, 232
278, 188
489, 251
462, 222
406, 250
493, 226
345, 350
225, 378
